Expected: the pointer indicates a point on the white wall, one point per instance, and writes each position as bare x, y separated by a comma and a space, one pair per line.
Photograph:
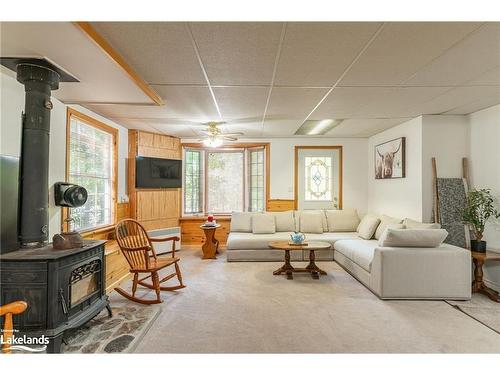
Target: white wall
485, 172
399, 197
447, 139
12, 104
354, 157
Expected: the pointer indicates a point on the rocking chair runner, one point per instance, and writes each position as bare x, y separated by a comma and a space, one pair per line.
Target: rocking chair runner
138, 250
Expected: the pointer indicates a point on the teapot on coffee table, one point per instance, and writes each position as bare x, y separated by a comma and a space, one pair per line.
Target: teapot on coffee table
298, 238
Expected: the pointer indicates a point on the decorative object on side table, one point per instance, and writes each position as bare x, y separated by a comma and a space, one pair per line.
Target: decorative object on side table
297, 239
479, 209
478, 286
311, 268
211, 245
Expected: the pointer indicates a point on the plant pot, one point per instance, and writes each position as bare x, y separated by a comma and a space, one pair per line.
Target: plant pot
478, 246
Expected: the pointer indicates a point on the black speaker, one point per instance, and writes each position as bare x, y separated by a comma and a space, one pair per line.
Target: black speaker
69, 195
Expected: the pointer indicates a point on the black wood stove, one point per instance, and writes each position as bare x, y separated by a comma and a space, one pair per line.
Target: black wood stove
63, 288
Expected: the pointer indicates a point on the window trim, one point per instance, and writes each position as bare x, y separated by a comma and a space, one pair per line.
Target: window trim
70, 112
234, 147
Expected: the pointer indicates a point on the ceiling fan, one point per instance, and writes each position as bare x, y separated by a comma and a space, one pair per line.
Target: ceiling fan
214, 137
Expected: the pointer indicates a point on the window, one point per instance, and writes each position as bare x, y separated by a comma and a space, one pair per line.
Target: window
91, 157
318, 184
224, 180
192, 181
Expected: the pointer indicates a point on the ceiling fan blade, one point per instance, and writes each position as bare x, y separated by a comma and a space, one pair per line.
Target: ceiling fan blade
232, 139
206, 132
232, 134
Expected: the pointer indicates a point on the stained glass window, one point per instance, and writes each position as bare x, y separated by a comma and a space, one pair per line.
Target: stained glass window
318, 178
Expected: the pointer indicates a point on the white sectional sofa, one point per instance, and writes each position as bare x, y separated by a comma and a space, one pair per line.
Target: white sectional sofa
391, 272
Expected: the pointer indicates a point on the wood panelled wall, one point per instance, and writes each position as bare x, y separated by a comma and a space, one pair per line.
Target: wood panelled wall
192, 234
279, 205
154, 208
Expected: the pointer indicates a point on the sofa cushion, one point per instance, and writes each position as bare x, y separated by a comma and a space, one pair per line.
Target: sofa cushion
250, 241
384, 222
332, 237
360, 252
412, 224
412, 237
241, 221
368, 226
322, 214
311, 222
342, 220
285, 221
263, 223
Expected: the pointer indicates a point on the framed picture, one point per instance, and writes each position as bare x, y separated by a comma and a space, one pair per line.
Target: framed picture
390, 159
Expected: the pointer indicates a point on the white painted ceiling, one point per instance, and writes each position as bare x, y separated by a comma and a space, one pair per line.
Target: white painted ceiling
266, 79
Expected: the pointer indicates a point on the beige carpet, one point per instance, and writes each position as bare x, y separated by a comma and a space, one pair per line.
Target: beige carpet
482, 309
243, 308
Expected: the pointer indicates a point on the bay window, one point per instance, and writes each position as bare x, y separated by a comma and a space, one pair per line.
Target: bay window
219, 181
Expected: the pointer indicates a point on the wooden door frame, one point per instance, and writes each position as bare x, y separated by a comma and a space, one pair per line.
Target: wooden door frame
296, 171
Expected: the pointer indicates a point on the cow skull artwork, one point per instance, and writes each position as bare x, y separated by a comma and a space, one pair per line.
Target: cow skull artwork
390, 159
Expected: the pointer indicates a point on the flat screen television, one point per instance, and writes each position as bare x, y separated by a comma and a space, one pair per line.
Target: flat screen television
9, 193
157, 173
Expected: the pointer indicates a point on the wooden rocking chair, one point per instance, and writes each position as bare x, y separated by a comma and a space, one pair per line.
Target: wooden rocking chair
138, 250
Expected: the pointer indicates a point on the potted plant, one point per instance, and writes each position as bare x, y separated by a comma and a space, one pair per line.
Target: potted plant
478, 210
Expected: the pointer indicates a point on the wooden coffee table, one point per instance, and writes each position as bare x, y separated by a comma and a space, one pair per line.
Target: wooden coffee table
478, 285
288, 269
211, 245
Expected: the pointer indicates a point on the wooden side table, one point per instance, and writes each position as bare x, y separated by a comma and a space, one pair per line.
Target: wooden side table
211, 245
478, 285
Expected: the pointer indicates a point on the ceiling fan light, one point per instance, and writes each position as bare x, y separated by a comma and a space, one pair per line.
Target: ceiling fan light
212, 142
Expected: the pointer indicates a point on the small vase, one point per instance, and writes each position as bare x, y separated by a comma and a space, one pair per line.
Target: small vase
478, 246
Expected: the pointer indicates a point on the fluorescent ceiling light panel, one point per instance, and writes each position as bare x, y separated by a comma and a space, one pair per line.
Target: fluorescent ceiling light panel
317, 127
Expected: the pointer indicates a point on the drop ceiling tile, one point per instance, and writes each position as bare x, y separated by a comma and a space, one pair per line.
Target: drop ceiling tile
238, 53
364, 127
181, 103
459, 97
240, 103
475, 55
187, 102
477, 104
345, 102
293, 103
491, 77
280, 127
391, 102
161, 52
402, 48
316, 54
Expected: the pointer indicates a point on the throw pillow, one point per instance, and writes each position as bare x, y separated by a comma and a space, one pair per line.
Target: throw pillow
412, 224
384, 222
342, 220
368, 226
311, 222
263, 223
285, 221
412, 237
241, 221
